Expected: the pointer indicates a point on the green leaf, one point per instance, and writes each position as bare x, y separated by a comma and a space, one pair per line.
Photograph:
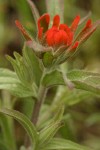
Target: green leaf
9, 81
58, 144
21, 69
33, 65
48, 59
85, 80
24, 121
25, 71
53, 78
71, 97
50, 130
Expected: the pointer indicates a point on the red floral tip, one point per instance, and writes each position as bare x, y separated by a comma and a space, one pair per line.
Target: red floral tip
43, 24
56, 21
87, 31
75, 45
89, 23
23, 31
87, 26
75, 23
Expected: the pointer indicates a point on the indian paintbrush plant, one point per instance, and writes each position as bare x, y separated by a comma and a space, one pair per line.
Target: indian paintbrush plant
40, 68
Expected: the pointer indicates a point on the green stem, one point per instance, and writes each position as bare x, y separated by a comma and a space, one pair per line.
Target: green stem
38, 104
40, 99
37, 107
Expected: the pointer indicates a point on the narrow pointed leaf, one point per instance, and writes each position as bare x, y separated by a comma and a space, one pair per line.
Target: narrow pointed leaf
34, 10
33, 65
24, 121
23, 31
47, 133
50, 130
84, 35
85, 18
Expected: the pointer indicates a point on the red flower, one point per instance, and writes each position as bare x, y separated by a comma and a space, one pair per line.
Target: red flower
58, 34
55, 44
61, 34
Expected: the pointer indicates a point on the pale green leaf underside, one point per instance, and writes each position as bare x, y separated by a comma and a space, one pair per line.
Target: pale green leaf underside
85, 80
82, 80
9, 81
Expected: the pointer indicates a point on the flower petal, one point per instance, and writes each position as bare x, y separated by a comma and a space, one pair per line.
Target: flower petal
23, 31
56, 21
61, 38
50, 37
68, 31
43, 24
75, 23
64, 27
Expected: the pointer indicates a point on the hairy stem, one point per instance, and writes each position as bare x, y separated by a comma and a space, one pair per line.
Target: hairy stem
38, 103
37, 107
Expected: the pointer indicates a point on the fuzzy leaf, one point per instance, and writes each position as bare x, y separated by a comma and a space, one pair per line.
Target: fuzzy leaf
34, 10
47, 59
33, 65
21, 69
85, 80
86, 33
50, 130
71, 96
24, 121
38, 48
59, 144
23, 72
23, 31
53, 78
85, 18
9, 81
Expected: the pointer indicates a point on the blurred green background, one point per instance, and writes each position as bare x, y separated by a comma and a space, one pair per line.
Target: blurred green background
84, 124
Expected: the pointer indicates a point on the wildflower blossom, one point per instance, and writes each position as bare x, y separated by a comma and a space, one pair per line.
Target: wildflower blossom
59, 37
